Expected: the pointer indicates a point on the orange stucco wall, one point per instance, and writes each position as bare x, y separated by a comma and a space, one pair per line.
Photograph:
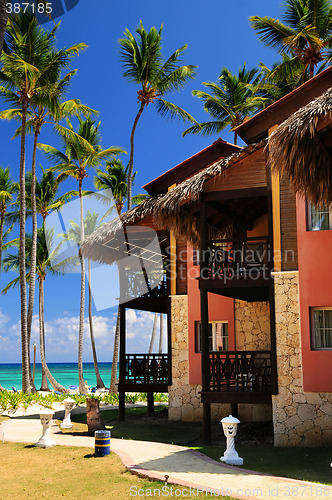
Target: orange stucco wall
315, 288
220, 309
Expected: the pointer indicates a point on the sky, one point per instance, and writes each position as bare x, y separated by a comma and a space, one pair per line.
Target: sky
218, 34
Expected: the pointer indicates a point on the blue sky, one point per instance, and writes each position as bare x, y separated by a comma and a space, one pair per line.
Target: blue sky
218, 34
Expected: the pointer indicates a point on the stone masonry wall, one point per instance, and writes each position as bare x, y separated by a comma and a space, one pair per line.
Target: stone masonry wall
184, 398
299, 418
252, 333
252, 325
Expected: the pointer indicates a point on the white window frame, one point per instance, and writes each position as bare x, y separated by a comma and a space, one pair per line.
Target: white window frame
214, 336
309, 207
313, 328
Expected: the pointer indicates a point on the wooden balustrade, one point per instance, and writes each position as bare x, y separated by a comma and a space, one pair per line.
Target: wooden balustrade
147, 369
245, 371
237, 258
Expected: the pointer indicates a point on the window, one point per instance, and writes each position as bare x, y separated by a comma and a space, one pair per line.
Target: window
321, 320
319, 217
218, 336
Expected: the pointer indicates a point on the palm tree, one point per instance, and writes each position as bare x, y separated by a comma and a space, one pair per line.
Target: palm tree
44, 106
113, 184
74, 234
26, 64
82, 150
305, 35
3, 21
144, 64
8, 188
115, 180
4, 12
279, 81
44, 266
231, 100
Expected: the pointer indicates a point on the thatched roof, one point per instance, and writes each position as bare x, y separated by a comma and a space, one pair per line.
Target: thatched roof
298, 152
169, 210
165, 211
100, 245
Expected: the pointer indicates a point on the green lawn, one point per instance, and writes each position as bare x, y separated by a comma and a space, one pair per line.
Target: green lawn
73, 473
310, 464
307, 464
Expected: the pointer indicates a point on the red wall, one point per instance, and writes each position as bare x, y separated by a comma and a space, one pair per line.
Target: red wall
220, 309
315, 288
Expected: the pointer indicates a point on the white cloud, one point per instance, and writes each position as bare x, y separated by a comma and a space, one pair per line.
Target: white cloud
61, 336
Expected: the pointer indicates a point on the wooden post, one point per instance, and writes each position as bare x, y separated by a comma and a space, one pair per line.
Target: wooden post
205, 355
234, 410
274, 369
122, 363
150, 403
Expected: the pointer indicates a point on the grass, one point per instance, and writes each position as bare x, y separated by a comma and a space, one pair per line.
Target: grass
74, 473
309, 464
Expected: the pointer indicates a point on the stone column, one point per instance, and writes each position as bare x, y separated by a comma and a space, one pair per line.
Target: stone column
299, 418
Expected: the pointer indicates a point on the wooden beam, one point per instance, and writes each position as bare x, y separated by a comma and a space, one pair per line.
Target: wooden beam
232, 216
122, 358
236, 397
235, 193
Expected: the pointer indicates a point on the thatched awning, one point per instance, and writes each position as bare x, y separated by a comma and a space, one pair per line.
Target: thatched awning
300, 149
164, 211
173, 209
104, 244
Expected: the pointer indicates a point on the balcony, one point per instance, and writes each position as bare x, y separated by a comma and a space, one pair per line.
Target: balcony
144, 290
146, 372
237, 268
240, 377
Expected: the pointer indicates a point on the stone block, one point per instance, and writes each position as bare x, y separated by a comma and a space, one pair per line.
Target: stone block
306, 412
293, 422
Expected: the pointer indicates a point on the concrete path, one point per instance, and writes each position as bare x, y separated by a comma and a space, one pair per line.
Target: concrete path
185, 467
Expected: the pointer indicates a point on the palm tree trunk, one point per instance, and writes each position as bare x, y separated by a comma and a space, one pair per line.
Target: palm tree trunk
24, 328
235, 138
44, 383
311, 69
131, 159
55, 384
3, 21
154, 330
32, 281
2, 217
81, 384
161, 338
115, 354
100, 383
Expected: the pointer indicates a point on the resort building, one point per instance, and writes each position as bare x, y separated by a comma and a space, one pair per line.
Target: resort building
246, 281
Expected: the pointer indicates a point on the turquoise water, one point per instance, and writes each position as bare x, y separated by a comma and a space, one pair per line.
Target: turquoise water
65, 373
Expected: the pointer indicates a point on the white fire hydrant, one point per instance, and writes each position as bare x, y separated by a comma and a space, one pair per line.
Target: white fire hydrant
69, 404
45, 441
231, 456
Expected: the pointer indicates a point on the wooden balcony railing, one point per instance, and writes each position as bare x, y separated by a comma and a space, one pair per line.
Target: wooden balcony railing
229, 259
138, 284
147, 369
245, 371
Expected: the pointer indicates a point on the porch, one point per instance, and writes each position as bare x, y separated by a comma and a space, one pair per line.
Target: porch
239, 377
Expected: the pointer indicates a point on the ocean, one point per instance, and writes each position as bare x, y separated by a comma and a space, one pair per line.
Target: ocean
64, 373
